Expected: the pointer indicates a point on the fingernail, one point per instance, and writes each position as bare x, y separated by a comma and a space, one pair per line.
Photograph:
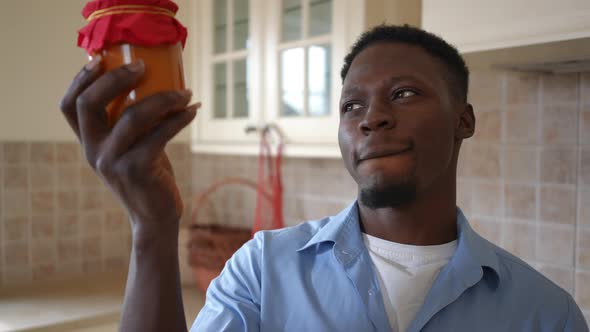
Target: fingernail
194, 106
90, 66
136, 66
185, 93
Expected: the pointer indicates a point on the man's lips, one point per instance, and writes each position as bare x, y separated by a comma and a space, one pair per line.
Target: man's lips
380, 153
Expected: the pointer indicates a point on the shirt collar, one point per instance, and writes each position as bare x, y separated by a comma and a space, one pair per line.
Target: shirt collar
472, 255
343, 230
475, 256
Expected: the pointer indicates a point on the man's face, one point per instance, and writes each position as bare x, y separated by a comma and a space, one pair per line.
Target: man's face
397, 123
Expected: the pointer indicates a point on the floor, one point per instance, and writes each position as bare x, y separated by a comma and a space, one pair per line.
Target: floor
75, 306
192, 306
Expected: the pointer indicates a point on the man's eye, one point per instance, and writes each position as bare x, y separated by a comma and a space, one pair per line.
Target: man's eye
404, 94
352, 107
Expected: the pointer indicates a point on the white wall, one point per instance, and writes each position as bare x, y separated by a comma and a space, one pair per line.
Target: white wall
38, 59
474, 25
393, 12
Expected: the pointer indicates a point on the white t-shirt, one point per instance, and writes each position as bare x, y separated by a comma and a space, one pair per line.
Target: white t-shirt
406, 274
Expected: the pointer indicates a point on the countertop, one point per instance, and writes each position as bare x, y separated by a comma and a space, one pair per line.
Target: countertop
75, 305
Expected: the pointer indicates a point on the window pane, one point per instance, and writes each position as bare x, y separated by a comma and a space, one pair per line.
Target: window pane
292, 70
219, 25
292, 13
241, 24
320, 17
220, 91
319, 80
240, 89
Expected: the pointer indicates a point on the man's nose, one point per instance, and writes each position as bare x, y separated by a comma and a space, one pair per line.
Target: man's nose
379, 116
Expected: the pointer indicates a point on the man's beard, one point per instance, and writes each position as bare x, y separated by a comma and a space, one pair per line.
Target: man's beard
388, 196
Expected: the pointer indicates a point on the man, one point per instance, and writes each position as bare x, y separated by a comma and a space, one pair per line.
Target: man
402, 257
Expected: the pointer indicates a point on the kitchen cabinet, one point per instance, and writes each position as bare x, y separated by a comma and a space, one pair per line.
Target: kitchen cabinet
474, 26
260, 62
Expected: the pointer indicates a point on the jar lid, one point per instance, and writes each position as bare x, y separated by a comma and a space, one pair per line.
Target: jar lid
139, 22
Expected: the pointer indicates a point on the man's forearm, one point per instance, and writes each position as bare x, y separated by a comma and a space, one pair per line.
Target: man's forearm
153, 297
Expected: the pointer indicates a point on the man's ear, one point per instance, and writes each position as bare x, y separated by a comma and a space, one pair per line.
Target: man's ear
465, 127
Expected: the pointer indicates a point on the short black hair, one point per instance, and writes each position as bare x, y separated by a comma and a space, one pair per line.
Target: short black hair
432, 44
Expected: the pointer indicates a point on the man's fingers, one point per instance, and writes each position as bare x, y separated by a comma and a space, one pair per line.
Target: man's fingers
142, 117
82, 80
149, 147
91, 104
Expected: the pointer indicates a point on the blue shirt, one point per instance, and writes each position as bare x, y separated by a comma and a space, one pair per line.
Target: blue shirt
318, 276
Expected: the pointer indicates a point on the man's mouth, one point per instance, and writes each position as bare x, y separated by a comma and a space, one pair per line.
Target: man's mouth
381, 153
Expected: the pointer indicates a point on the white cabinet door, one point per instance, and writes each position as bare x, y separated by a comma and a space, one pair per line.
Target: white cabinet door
479, 25
228, 57
279, 64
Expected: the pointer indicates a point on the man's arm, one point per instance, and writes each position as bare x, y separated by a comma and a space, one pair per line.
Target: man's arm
153, 297
131, 161
233, 299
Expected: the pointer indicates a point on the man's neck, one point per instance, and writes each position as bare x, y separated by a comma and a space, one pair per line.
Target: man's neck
429, 220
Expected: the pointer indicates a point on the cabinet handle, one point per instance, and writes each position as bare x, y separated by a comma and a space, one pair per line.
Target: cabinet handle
251, 128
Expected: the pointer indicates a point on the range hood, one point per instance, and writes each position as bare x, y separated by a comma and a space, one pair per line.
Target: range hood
569, 56
554, 67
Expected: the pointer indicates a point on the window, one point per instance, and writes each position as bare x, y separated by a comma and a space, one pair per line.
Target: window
305, 49
271, 61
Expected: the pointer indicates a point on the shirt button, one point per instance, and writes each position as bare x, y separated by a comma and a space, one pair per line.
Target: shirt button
371, 292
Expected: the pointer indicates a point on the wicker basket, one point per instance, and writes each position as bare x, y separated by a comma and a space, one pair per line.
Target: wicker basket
210, 247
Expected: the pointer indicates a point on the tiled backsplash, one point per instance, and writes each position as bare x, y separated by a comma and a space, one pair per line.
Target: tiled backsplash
313, 188
524, 178
524, 182
57, 219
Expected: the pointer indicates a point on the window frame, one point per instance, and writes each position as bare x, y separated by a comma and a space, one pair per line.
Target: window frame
307, 129
209, 129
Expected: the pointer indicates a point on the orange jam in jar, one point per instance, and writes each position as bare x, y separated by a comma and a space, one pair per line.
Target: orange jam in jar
124, 31
163, 72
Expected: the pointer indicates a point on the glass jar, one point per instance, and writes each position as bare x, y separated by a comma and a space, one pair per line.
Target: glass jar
163, 72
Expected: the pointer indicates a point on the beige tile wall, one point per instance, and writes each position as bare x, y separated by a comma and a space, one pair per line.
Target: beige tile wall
524, 179
313, 188
57, 219
541, 133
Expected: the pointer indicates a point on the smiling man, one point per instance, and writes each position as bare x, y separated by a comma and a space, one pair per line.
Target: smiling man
401, 258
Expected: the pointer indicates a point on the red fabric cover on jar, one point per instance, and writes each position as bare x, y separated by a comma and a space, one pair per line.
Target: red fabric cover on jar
138, 22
